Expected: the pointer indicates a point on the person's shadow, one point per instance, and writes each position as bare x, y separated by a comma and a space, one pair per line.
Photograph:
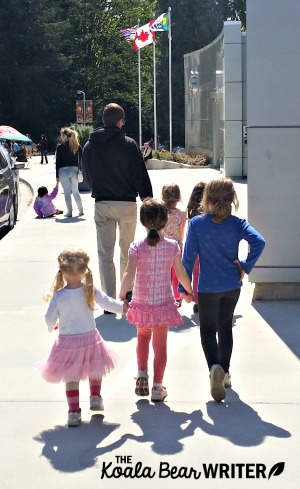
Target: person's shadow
113, 329
160, 426
75, 449
238, 423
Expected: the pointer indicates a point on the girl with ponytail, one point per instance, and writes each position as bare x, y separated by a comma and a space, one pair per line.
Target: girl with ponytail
79, 352
68, 163
153, 307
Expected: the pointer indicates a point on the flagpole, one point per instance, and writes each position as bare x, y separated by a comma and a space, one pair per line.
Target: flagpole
140, 94
170, 79
154, 94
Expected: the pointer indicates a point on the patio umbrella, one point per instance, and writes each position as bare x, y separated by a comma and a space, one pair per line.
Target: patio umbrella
14, 136
7, 129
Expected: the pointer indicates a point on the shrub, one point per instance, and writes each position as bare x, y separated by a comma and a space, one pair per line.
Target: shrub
193, 160
84, 132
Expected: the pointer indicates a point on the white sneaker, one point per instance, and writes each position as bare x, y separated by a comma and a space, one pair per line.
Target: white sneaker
158, 393
96, 403
227, 380
217, 388
74, 419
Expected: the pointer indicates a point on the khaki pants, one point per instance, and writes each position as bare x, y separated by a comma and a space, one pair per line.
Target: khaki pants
109, 214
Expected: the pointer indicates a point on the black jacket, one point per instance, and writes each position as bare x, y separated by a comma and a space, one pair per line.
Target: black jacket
113, 166
65, 157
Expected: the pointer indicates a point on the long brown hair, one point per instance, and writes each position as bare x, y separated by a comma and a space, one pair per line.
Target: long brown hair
154, 216
218, 197
193, 207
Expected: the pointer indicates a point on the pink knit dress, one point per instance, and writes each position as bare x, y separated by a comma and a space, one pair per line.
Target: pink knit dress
153, 302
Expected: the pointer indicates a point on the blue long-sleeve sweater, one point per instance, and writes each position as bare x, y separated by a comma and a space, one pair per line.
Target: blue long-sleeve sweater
217, 245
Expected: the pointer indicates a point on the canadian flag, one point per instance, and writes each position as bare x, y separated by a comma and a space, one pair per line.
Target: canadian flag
143, 36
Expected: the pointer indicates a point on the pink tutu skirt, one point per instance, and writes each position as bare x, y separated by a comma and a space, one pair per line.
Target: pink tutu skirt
78, 357
143, 315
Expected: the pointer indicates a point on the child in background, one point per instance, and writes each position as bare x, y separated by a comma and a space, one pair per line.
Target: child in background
174, 228
193, 209
153, 308
43, 204
79, 352
214, 236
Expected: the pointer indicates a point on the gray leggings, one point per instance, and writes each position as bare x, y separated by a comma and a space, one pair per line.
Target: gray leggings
216, 315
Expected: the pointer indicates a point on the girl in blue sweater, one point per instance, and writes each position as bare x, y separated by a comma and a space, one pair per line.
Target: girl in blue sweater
214, 236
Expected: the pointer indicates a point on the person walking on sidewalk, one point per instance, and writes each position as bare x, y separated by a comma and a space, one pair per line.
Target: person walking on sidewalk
43, 147
174, 229
214, 236
79, 352
153, 307
68, 163
193, 209
113, 166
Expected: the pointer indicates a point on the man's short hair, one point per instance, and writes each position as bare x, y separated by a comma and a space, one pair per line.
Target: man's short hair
112, 113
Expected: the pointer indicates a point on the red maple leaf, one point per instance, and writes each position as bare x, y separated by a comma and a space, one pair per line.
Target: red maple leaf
143, 36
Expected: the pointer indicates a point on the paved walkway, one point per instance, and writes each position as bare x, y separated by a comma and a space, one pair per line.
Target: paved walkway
251, 433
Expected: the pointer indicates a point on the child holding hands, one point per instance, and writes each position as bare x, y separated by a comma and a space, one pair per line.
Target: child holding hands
174, 229
79, 352
43, 204
153, 307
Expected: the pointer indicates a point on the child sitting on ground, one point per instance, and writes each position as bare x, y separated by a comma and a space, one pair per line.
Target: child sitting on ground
43, 205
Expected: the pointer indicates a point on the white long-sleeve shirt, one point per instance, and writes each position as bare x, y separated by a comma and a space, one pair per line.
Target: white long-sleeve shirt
68, 308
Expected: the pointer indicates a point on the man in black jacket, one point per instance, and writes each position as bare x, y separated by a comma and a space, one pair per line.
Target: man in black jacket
113, 166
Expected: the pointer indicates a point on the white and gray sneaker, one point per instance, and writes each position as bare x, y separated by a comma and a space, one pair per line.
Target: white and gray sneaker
227, 380
74, 419
158, 393
217, 388
96, 403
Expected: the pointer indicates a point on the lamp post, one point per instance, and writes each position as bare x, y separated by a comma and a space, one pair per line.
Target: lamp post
83, 95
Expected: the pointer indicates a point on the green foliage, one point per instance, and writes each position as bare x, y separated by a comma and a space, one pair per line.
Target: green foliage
193, 160
50, 49
84, 132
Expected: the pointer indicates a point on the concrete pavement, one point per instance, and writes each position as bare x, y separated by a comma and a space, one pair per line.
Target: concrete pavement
238, 443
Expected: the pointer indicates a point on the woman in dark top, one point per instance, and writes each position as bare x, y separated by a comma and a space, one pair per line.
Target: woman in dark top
68, 162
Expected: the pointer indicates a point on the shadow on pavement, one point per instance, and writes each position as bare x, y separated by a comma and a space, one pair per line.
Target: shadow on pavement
283, 318
75, 449
160, 426
113, 329
238, 423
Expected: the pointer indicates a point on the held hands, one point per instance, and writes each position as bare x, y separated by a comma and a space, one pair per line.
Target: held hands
187, 297
125, 306
242, 271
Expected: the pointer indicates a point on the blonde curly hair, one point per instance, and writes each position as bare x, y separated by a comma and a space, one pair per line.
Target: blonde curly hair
75, 261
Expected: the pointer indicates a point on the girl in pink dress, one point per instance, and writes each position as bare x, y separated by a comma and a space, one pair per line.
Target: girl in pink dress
153, 307
174, 228
193, 209
79, 352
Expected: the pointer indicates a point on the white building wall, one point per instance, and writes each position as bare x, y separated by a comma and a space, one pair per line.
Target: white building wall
233, 120
273, 119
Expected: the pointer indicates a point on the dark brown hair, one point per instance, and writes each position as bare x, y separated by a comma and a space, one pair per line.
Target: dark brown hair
193, 207
112, 113
154, 216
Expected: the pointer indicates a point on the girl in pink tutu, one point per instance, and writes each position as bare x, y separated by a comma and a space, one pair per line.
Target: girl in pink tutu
79, 352
153, 307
